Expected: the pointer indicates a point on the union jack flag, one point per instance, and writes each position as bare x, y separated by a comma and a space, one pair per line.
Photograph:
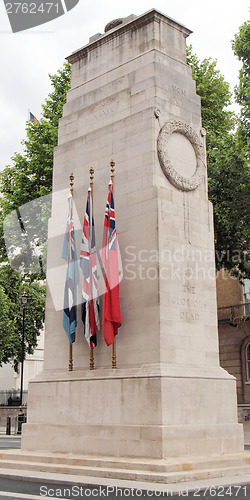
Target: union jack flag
33, 118
72, 276
111, 319
90, 301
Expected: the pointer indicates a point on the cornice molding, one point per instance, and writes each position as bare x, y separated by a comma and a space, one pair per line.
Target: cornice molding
140, 21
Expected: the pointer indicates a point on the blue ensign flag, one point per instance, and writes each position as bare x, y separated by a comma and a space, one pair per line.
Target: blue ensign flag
72, 276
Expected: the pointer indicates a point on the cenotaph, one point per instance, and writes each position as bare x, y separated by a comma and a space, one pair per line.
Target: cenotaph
133, 100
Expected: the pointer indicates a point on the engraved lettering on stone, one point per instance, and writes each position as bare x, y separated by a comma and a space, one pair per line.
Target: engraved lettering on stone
187, 315
179, 91
189, 289
189, 305
187, 302
103, 113
179, 181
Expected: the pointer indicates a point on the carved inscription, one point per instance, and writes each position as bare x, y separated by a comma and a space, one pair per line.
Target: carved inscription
187, 315
196, 304
190, 306
189, 289
178, 90
103, 113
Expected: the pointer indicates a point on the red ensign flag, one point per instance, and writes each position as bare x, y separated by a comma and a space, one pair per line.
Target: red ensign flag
111, 317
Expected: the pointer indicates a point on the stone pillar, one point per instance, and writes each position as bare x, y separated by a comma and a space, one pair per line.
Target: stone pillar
133, 99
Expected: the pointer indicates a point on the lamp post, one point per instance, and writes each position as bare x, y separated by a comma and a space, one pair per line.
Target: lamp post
24, 301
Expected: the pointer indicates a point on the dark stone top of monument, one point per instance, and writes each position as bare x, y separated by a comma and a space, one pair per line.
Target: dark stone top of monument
113, 24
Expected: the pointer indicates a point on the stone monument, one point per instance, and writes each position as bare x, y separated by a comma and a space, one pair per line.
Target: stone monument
133, 100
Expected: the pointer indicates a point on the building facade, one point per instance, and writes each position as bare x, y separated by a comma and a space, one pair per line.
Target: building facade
233, 302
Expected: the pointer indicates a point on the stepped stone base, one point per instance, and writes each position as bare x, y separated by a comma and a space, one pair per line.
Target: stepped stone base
151, 411
129, 469
134, 441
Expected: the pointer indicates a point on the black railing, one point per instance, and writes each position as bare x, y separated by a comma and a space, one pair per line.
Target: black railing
234, 314
12, 398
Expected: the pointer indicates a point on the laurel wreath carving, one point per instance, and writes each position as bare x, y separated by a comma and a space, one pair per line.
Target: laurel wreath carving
180, 182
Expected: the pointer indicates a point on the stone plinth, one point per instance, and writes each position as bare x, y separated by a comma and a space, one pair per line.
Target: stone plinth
133, 99
151, 411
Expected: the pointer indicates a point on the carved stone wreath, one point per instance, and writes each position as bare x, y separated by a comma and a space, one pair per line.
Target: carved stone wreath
180, 182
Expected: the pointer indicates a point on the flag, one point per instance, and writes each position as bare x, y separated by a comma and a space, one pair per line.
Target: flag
33, 118
72, 276
111, 319
90, 301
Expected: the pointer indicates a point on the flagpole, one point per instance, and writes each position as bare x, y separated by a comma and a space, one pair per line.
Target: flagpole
112, 168
71, 177
91, 353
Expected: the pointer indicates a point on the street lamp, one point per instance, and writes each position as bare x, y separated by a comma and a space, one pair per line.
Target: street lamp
24, 301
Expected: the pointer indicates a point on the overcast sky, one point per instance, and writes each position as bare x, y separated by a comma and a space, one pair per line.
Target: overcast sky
28, 57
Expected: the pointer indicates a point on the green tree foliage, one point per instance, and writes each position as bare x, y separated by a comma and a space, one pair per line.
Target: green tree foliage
22, 186
215, 96
11, 317
228, 172
241, 47
229, 190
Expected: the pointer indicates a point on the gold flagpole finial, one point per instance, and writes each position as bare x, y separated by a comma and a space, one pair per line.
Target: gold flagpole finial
91, 175
71, 178
112, 168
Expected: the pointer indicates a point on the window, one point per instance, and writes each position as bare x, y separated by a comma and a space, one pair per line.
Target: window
246, 291
248, 361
